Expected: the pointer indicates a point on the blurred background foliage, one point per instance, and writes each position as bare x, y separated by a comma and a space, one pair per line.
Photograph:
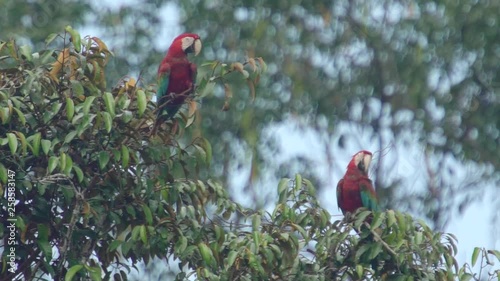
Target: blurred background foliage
409, 74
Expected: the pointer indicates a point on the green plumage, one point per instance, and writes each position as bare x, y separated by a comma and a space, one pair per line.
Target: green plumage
368, 199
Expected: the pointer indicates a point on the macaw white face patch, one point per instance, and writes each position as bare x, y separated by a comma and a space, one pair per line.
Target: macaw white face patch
188, 42
365, 157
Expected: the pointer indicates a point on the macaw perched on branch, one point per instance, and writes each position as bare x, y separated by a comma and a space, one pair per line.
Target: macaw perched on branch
176, 76
355, 189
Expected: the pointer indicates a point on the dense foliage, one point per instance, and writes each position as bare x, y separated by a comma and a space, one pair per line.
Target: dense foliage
95, 193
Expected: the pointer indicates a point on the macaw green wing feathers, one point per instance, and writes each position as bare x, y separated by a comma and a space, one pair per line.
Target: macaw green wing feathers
368, 195
163, 79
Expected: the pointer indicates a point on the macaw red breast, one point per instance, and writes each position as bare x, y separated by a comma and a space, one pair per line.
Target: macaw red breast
181, 75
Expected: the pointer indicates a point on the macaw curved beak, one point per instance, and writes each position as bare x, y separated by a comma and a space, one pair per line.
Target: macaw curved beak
367, 159
362, 160
197, 46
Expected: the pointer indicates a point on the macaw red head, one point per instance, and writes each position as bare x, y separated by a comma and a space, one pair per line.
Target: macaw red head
184, 44
361, 161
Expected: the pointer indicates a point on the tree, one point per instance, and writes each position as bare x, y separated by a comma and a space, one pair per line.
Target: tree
94, 193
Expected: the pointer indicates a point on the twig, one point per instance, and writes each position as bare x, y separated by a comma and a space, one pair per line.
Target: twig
63, 250
379, 239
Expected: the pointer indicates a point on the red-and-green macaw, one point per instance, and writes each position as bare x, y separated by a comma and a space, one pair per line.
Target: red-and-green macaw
176, 75
355, 189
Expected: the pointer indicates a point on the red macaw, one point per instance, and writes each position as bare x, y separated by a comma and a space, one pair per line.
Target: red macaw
176, 75
355, 189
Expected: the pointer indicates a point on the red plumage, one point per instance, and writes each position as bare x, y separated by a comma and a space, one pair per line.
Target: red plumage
176, 75
355, 189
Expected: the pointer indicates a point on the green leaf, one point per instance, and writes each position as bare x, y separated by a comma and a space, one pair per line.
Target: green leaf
263, 64
359, 271
136, 232
401, 218
12, 142
70, 109
310, 187
77, 88
496, 253
78, 172
46, 146
375, 249
75, 38
141, 102
95, 272
24, 143
181, 244
125, 156
147, 214
50, 38
108, 121
5, 115
206, 253
231, 257
301, 230
87, 103
109, 101
69, 165
127, 116
283, 190
256, 221
62, 161
298, 182
209, 88
49, 114
26, 52
3, 173
46, 57
70, 136
466, 277
208, 150
72, 272
21, 116
475, 255
53, 161
378, 218
391, 218
361, 217
143, 234
43, 241
35, 147
103, 159
114, 245
418, 237
245, 73
256, 239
